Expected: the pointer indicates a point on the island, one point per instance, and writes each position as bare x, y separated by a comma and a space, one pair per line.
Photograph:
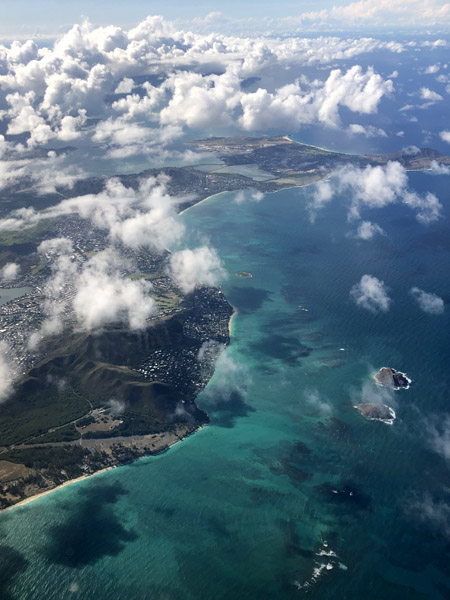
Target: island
377, 412
389, 377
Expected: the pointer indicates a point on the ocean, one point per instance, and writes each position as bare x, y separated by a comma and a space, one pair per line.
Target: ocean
289, 492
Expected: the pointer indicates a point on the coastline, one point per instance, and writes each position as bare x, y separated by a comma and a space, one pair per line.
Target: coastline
287, 137
203, 200
58, 487
230, 322
161, 450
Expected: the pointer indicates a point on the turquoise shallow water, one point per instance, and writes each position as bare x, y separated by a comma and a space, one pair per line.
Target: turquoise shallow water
289, 492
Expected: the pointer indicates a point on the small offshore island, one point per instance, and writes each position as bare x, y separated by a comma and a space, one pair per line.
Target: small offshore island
377, 412
386, 377
389, 377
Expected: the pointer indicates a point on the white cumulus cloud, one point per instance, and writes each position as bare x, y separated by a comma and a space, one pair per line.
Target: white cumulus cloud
190, 268
371, 293
429, 303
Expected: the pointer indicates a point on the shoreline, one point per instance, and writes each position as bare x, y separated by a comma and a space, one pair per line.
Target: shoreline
58, 487
287, 137
161, 450
230, 322
203, 200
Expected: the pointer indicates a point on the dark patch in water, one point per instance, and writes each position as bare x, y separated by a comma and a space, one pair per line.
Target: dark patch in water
345, 494
225, 411
165, 511
293, 547
292, 293
217, 526
91, 530
337, 429
296, 474
292, 463
248, 299
331, 362
12, 563
308, 249
301, 449
288, 349
313, 336
443, 590
266, 495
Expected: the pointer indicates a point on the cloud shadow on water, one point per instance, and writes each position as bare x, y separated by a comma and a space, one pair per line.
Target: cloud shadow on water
12, 563
248, 299
286, 348
226, 411
92, 530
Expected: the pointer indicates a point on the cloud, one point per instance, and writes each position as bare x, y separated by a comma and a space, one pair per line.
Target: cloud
322, 194
367, 230
432, 69
371, 393
58, 287
428, 207
374, 187
231, 379
125, 86
190, 268
438, 169
429, 303
103, 296
44, 175
380, 14
445, 136
143, 217
371, 293
210, 351
291, 106
437, 429
369, 131
427, 94
430, 511
93, 87
6, 372
116, 407
249, 195
10, 271
94, 291
321, 407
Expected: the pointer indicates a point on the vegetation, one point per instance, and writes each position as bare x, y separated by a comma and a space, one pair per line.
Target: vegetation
66, 457
134, 423
22, 236
30, 414
67, 433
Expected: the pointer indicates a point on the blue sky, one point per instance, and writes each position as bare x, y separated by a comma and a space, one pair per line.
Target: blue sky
21, 18
48, 14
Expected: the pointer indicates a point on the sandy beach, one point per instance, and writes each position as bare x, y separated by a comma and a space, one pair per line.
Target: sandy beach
230, 322
58, 487
161, 444
204, 200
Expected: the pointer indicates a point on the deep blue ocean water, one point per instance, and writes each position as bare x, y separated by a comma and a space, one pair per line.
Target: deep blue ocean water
290, 492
